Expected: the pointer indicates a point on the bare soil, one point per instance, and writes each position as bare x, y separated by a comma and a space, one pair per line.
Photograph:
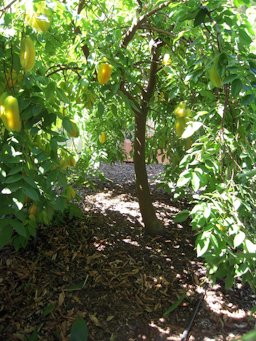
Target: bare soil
123, 283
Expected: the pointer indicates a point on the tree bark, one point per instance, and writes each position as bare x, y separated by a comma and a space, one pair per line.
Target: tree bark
152, 225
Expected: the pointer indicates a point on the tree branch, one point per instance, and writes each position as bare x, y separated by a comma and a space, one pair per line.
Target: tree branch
152, 74
137, 23
158, 30
63, 68
4, 9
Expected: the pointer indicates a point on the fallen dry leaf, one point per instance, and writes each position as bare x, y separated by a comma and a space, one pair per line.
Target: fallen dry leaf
95, 320
61, 298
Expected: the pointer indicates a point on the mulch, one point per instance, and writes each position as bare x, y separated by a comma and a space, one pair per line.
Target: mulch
126, 285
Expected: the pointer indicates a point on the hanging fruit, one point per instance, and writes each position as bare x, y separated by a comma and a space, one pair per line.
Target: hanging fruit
32, 211
104, 73
10, 114
67, 161
39, 20
102, 137
166, 59
27, 54
181, 110
180, 125
72, 129
214, 74
70, 192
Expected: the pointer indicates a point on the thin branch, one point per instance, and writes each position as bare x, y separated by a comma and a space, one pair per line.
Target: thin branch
8, 6
81, 6
158, 30
137, 23
63, 68
218, 31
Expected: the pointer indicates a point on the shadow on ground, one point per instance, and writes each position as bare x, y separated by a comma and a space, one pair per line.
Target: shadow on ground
104, 269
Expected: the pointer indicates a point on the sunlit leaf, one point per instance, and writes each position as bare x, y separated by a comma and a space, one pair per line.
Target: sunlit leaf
195, 181
191, 128
251, 247
202, 246
239, 238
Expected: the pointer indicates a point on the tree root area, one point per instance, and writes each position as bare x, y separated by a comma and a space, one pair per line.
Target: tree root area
126, 285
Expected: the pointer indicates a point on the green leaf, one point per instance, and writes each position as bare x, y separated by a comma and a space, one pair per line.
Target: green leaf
181, 216
19, 227
239, 238
48, 309
200, 17
251, 247
250, 336
230, 78
101, 109
202, 246
191, 128
238, 3
15, 170
31, 193
13, 178
67, 125
248, 99
79, 330
33, 337
236, 87
62, 96
60, 204
30, 181
195, 181
207, 211
183, 180
179, 35
5, 232
175, 305
244, 38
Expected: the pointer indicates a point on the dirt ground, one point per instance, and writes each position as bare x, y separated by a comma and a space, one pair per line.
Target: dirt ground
124, 284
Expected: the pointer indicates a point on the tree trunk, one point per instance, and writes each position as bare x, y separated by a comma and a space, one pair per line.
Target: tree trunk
152, 225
